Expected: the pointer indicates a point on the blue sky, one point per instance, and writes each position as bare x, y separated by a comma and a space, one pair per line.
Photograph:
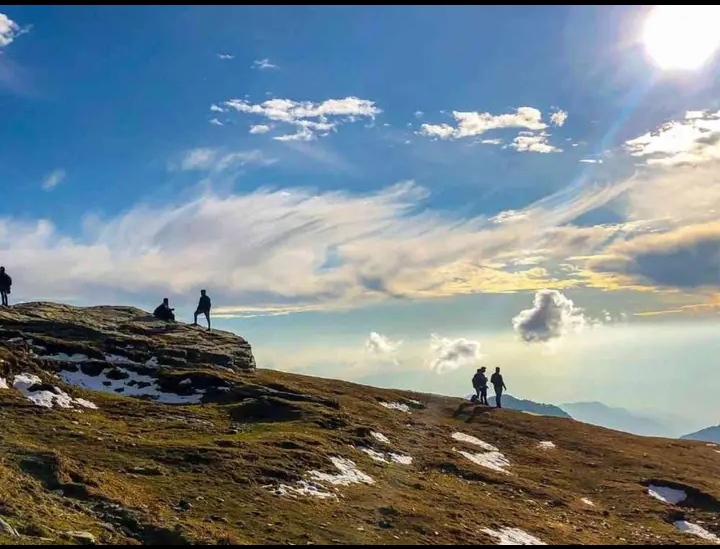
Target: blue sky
526, 183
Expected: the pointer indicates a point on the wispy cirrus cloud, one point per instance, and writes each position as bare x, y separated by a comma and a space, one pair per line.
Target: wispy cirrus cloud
53, 179
217, 160
225, 56
264, 65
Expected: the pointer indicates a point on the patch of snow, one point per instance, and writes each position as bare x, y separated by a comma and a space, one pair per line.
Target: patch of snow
387, 458
86, 403
513, 536
46, 399
302, 488
586, 501
137, 385
529, 413
380, 437
491, 460
546, 445
119, 359
377, 456
3, 383
62, 357
349, 474
396, 406
712, 445
186, 381
416, 402
462, 437
402, 460
695, 530
152, 362
667, 495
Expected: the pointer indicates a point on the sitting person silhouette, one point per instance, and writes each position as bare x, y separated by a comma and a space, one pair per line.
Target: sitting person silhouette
164, 312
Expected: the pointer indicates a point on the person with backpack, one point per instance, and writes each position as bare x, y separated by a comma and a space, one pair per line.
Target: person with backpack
203, 307
480, 384
499, 386
164, 311
5, 284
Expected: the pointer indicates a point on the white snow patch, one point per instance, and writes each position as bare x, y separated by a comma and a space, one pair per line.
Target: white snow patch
152, 362
402, 460
3, 383
491, 460
62, 357
667, 495
546, 445
119, 359
143, 386
586, 501
415, 402
186, 381
462, 437
349, 474
302, 488
45, 398
529, 413
513, 536
377, 456
392, 457
396, 406
86, 403
695, 530
380, 437
711, 445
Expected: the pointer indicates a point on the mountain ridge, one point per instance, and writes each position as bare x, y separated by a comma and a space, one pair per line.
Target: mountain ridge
197, 450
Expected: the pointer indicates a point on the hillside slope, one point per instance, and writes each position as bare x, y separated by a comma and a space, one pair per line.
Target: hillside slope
254, 456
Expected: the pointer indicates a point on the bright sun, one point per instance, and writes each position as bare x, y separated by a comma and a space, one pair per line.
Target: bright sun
682, 37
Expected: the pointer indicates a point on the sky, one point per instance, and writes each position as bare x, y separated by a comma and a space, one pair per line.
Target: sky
388, 195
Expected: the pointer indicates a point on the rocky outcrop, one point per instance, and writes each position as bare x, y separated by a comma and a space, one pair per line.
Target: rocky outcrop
120, 334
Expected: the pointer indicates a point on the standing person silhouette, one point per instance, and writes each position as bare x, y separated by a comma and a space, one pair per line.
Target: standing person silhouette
204, 306
499, 386
5, 284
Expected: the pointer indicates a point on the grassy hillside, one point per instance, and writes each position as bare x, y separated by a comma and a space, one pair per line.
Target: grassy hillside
257, 456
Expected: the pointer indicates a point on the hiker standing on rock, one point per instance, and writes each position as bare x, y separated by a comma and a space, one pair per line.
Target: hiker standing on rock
499, 386
5, 283
203, 307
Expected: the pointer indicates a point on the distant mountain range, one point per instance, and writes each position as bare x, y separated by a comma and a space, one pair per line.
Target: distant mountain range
710, 434
619, 419
530, 407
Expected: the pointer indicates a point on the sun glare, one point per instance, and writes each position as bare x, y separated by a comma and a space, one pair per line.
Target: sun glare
682, 37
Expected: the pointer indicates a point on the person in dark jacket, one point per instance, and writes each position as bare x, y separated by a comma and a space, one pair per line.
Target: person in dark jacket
480, 384
164, 311
203, 307
5, 284
499, 386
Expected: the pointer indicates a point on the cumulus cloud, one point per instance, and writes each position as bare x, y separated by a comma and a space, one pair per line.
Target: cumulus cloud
558, 118
53, 179
693, 140
381, 345
9, 30
309, 119
533, 142
450, 354
264, 65
225, 56
260, 128
551, 316
216, 160
687, 258
472, 123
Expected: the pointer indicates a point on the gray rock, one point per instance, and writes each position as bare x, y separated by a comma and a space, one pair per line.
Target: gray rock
84, 538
